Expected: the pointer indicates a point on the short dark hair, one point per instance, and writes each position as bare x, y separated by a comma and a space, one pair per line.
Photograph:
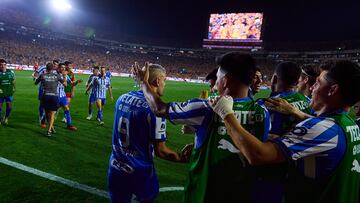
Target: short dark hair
211, 75
67, 63
347, 75
49, 66
55, 61
326, 66
61, 64
2, 61
238, 65
288, 73
96, 67
311, 71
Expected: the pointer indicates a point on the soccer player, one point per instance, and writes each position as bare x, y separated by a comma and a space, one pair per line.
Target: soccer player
100, 84
216, 172
7, 89
255, 84
89, 86
323, 151
283, 85
69, 89
50, 97
37, 74
131, 169
63, 102
108, 74
307, 79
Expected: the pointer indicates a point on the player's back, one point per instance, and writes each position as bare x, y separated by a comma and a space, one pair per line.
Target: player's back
280, 123
133, 132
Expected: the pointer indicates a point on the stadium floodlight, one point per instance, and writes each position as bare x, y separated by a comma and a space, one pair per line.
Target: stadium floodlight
61, 5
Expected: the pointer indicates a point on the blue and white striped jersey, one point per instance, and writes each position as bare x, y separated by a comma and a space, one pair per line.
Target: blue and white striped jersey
41, 70
135, 129
198, 113
61, 88
100, 85
316, 145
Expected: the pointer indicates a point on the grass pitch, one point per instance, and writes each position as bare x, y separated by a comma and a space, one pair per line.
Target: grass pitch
80, 156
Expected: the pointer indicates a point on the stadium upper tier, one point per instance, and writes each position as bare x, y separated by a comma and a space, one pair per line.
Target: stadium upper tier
29, 45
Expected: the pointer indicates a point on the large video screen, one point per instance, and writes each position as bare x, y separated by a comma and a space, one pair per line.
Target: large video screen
235, 26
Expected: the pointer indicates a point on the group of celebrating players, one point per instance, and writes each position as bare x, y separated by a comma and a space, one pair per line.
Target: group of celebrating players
57, 82
298, 145
56, 89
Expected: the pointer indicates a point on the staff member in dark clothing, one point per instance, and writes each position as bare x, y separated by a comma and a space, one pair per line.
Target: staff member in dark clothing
49, 82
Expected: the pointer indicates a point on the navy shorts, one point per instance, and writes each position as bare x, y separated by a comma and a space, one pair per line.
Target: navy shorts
50, 103
123, 184
8, 99
92, 98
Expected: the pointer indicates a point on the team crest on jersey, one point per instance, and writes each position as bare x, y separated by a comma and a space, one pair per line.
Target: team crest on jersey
299, 131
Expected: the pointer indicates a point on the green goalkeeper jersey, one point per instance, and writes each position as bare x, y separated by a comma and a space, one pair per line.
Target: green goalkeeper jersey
280, 123
218, 172
7, 83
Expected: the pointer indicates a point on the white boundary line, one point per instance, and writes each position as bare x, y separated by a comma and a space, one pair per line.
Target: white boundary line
70, 183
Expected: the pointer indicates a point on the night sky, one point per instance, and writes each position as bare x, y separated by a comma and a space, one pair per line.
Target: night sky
184, 23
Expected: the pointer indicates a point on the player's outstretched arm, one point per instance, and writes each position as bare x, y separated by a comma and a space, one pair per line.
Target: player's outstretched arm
255, 151
282, 106
163, 152
156, 104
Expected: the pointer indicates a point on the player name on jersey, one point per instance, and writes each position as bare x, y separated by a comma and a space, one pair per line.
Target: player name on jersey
301, 105
354, 137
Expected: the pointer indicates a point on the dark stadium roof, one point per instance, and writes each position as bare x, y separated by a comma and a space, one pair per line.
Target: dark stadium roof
184, 23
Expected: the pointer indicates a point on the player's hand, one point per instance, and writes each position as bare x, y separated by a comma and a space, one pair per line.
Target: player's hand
1, 91
222, 105
186, 153
187, 129
141, 75
280, 105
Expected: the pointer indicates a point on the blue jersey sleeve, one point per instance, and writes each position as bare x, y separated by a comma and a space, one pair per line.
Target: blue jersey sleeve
310, 137
192, 112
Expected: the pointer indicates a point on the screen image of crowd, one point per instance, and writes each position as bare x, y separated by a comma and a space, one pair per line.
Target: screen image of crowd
235, 26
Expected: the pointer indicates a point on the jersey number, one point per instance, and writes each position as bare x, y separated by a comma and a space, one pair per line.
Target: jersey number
123, 130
